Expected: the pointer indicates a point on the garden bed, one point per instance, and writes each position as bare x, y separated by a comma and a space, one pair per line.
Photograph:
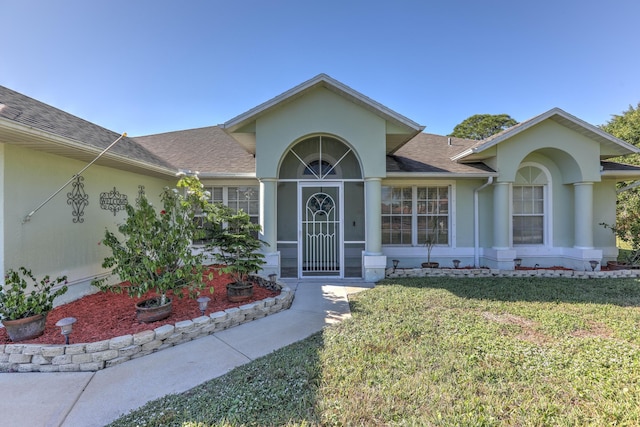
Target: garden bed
107, 315
107, 332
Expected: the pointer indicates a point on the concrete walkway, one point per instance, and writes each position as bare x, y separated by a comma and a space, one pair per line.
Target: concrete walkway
96, 398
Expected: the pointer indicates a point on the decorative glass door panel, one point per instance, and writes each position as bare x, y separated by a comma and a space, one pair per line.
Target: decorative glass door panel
321, 234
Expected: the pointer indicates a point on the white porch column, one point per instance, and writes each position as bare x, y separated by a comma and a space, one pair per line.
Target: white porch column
501, 254
373, 262
583, 215
501, 210
2, 161
373, 215
269, 224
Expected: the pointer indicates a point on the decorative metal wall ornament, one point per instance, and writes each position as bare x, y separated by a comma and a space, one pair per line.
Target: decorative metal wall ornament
78, 199
141, 194
113, 201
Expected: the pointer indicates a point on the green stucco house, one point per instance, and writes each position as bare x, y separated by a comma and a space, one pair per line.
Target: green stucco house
340, 184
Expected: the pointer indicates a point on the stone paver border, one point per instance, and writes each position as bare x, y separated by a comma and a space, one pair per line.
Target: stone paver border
99, 355
487, 272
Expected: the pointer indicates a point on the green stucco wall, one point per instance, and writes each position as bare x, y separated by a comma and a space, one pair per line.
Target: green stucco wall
320, 112
604, 211
577, 156
51, 243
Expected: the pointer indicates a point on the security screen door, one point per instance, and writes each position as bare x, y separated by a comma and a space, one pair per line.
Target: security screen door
320, 232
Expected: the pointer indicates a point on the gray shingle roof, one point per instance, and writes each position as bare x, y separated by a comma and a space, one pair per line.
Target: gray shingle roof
27, 111
209, 150
429, 153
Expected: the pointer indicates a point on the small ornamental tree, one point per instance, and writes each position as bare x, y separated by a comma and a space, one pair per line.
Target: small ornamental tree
626, 126
627, 227
155, 254
235, 245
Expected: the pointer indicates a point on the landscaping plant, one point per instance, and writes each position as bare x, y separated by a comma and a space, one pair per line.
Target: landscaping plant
155, 254
627, 226
236, 245
16, 302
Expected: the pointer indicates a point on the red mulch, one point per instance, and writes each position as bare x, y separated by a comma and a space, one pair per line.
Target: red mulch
107, 315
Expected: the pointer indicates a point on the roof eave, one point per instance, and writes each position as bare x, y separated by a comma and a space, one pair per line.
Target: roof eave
554, 112
322, 80
447, 175
223, 175
71, 148
619, 174
463, 154
319, 80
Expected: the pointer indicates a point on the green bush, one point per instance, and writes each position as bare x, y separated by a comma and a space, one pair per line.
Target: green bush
17, 303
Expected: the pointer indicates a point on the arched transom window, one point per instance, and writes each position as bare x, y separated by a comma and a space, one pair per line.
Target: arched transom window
320, 157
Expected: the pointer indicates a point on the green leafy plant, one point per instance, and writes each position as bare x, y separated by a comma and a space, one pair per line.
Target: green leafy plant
627, 229
235, 244
16, 302
155, 254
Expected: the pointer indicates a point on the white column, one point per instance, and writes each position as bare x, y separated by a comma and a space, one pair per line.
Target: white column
373, 214
501, 212
268, 213
2, 168
373, 262
583, 215
269, 223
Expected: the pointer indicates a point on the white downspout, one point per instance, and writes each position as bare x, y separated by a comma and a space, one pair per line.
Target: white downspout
476, 222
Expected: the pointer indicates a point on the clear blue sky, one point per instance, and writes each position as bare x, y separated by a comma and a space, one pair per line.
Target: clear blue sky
144, 67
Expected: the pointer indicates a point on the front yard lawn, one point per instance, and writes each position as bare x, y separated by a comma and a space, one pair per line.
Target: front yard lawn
441, 352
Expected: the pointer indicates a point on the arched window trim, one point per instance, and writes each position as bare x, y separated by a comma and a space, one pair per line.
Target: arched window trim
547, 236
321, 157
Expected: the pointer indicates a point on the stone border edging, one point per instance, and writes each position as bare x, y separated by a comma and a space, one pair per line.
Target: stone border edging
487, 272
87, 357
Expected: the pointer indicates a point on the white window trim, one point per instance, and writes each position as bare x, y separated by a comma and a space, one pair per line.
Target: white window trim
547, 191
452, 236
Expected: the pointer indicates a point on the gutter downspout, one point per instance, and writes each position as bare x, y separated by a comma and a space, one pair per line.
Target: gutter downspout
476, 221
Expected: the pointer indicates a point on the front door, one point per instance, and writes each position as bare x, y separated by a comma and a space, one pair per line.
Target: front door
320, 231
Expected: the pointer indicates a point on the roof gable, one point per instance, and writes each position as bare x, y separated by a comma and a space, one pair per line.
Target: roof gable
610, 145
400, 129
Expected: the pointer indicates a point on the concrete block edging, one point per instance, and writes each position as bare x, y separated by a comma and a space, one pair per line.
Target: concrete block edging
487, 272
94, 356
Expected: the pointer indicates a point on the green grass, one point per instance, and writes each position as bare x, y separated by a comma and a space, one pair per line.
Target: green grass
441, 352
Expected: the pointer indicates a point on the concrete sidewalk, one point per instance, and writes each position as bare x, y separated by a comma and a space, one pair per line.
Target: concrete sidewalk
96, 398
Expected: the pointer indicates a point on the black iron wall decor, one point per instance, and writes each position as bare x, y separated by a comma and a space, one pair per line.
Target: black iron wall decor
141, 194
113, 201
78, 199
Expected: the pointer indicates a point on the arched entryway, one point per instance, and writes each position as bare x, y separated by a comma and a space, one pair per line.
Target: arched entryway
321, 219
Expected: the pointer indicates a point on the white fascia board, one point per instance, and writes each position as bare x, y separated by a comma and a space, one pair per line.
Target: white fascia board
620, 174
243, 118
463, 154
75, 145
222, 175
441, 175
521, 127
